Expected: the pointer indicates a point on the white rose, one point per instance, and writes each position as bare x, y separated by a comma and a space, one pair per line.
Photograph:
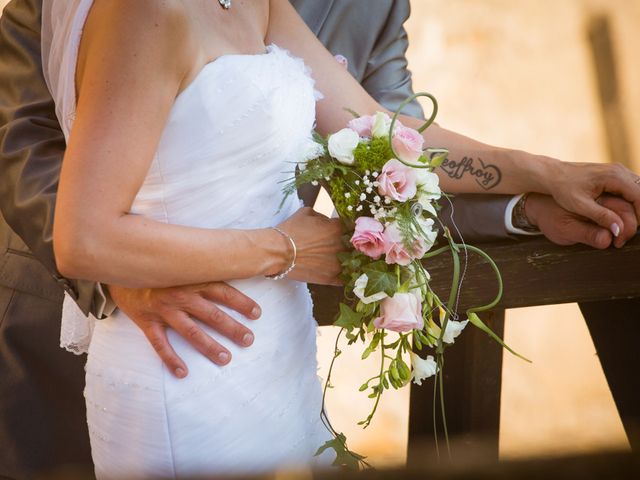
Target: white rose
428, 234
427, 205
428, 184
342, 144
452, 330
381, 125
361, 285
422, 368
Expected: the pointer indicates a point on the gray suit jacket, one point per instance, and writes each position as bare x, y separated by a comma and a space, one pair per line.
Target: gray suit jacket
31, 143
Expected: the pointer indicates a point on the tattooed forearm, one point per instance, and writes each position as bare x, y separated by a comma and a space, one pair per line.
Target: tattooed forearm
487, 175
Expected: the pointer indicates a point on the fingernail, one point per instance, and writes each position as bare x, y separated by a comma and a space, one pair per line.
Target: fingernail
247, 339
224, 357
615, 229
255, 313
180, 373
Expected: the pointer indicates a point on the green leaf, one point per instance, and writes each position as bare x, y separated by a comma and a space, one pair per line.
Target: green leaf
429, 298
344, 257
406, 286
418, 343
344, 456
403, 370
380, 282
372, 346
423, 338
438, 156
319, 138
392, 345
393, 370
377, 266
475, 320
352, 337
352, 112
348, 319
368, 351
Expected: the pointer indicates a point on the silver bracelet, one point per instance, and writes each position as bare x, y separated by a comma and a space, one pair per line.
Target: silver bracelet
281, 275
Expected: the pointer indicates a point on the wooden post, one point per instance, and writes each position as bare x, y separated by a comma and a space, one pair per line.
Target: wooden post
604, 61
472, 386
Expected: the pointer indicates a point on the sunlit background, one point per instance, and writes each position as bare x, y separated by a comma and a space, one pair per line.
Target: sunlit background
517, 73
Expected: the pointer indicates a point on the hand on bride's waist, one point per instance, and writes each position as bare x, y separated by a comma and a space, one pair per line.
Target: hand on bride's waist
155, 309
317, 240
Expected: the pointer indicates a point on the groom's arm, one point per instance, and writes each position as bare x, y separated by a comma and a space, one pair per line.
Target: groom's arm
31, 144
387, 79
377, 59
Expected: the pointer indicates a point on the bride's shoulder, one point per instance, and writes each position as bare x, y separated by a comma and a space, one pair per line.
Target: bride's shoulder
155, 32
125, 43
160, 22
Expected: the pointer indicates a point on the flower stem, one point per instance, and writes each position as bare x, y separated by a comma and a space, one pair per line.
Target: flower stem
380, 386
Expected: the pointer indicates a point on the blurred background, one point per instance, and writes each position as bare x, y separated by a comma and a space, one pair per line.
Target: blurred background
520, 73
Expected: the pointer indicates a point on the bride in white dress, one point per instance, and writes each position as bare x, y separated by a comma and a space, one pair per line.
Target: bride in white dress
181, 118
220, 149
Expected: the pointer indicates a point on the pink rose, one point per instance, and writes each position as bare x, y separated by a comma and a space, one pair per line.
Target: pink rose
407, 143
400, 313
420, 247
397, 181
368, 237
395, 250
362, 125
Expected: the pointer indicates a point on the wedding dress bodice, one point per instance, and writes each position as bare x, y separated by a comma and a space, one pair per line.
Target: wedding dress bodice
232, 136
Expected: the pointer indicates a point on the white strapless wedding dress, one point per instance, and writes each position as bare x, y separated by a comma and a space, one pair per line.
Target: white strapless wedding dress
231, 136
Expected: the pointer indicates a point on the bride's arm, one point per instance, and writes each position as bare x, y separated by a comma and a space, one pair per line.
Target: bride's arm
136, 57
574, 186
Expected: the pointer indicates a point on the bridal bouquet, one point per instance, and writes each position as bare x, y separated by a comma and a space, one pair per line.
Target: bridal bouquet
381, 180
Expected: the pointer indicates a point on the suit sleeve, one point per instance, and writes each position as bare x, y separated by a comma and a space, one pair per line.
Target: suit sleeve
387, 78
32, 146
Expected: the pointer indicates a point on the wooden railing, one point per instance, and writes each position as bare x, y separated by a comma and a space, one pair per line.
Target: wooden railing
535, 272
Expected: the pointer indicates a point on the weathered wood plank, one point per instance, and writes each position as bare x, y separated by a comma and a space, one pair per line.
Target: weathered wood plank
537, 272
534, 271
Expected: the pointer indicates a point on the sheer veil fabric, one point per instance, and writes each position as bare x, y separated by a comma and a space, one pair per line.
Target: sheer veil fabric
232, 135
62, 24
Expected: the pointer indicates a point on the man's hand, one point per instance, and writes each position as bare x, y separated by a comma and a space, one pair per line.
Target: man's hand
153, 310
566, 228
577, 187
